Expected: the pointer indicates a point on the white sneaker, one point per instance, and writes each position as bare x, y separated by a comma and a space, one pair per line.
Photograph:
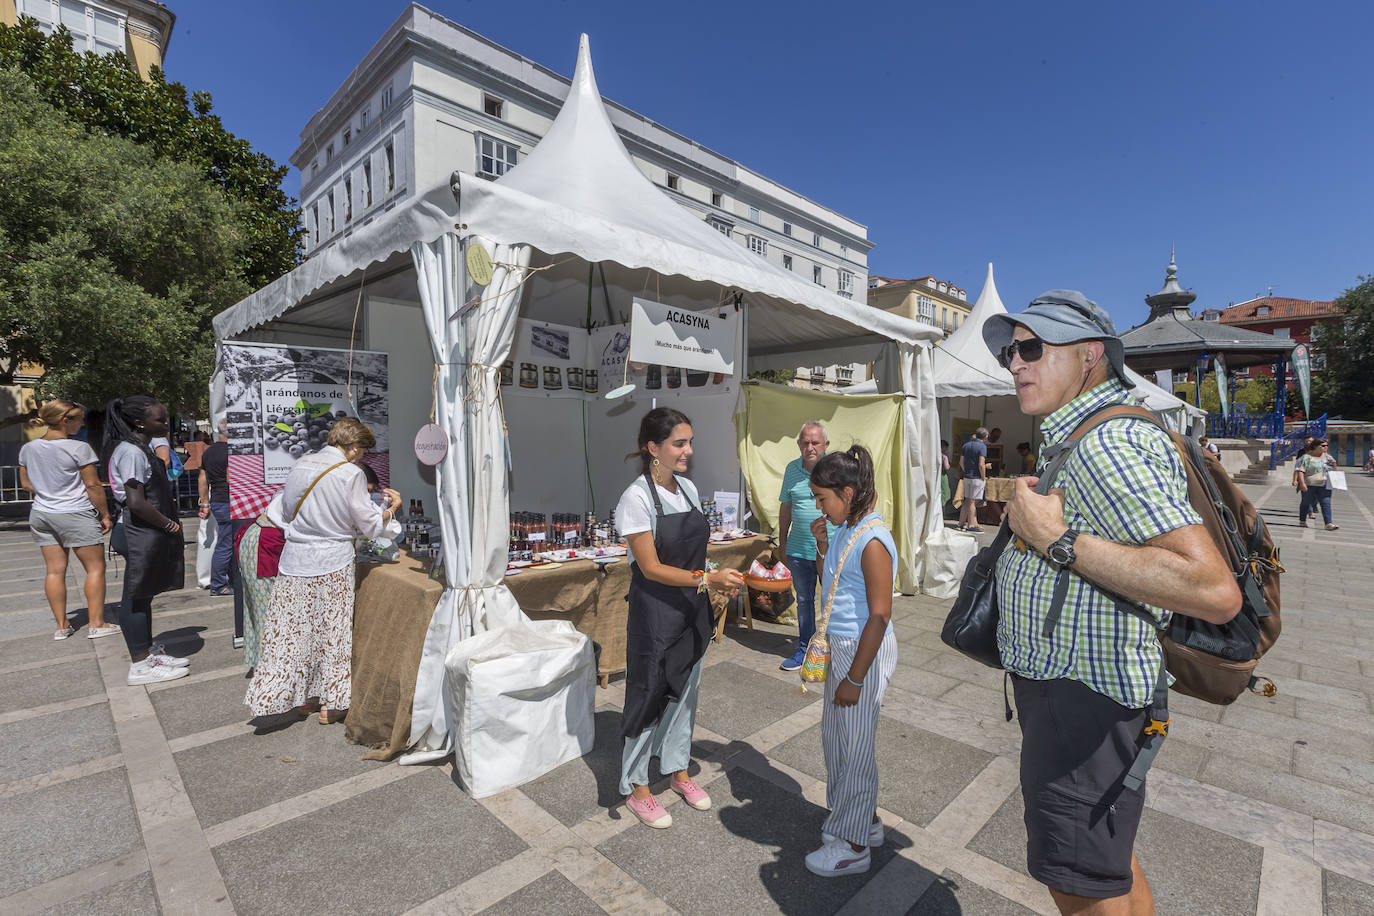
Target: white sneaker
157, 651
837, 858
875, 835
109, 629
152, 670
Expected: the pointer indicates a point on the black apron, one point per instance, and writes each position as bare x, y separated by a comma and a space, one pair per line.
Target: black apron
669, 626
156, 560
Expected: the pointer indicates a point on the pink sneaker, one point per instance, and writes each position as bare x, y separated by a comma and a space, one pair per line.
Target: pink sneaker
691, 793
650, 811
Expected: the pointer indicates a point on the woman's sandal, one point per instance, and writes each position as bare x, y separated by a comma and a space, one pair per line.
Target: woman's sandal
331, 716
306, 710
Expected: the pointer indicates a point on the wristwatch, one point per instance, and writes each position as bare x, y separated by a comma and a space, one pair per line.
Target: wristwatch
1061, 552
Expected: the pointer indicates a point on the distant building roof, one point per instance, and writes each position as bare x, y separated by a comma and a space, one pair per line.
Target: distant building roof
1277, 310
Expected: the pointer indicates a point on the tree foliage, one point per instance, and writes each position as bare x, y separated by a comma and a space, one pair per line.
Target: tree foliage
1257, 394
113, 259
1345, 387
107, 95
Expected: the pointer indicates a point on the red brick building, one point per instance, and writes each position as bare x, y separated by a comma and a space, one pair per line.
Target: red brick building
1292, 318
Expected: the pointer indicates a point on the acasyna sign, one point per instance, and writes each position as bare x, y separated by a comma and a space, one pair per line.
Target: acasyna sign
669, 336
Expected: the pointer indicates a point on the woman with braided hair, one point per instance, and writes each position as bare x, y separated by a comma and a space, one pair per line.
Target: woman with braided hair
152, 541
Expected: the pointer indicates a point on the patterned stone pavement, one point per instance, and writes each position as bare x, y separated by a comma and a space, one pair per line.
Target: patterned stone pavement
116, 799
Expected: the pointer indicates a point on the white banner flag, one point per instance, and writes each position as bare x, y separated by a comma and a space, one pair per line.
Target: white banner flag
669, 336
1164, 378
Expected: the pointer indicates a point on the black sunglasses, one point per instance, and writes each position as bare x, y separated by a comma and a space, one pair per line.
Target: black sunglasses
1030, 349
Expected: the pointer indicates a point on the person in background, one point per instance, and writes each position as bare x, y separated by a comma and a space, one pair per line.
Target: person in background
669, 621
944, 471
1314, 484
195, 447
153, 547
975, 458
1208, 446
69, 512
860, 573
1027, 459
213, 485
306, 655
796, 511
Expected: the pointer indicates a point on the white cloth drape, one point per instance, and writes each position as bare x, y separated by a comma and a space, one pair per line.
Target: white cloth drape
474, 511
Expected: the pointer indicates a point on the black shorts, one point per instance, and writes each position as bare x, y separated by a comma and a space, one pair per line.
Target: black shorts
1076, 746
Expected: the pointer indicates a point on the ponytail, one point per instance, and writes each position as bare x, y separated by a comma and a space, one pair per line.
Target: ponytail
122, 417
851, 468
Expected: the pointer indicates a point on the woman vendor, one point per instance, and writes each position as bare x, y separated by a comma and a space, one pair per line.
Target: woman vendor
669, 616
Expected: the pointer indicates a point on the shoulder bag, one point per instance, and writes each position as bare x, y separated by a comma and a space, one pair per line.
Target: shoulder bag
816, 664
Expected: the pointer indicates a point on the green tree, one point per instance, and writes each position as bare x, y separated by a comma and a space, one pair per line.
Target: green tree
113, 259
1345, 387
107, 95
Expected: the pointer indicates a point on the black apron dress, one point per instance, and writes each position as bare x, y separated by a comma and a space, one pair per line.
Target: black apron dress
156, 560
669, 626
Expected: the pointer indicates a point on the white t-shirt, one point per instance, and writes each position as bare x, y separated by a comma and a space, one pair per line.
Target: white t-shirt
635, 512
54, 467
128, 462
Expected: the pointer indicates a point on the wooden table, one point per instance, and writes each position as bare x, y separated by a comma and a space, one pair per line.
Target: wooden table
998, 490
395, 601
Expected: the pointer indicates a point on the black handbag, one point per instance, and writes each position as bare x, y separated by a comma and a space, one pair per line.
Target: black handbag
971, 626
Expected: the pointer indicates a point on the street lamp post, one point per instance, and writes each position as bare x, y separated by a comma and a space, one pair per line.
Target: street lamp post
1202, 360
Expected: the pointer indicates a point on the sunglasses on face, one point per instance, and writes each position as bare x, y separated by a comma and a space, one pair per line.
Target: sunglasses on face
1030, 349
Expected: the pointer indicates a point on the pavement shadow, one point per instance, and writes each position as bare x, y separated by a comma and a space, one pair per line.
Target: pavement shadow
779, 644
187, 640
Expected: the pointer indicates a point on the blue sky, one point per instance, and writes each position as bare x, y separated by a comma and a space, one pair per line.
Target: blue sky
1070, 143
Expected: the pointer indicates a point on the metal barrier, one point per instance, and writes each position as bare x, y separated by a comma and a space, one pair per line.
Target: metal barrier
10, 490
1285, 447
1243, 425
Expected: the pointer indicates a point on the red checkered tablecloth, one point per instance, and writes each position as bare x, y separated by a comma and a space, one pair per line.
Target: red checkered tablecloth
248, 495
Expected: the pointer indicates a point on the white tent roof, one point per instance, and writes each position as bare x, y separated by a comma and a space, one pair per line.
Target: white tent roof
579, 192
964, 366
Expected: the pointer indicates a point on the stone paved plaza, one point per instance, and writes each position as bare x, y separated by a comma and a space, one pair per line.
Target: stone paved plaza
116, 799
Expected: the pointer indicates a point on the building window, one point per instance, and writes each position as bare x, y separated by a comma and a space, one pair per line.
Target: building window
1318, 362
816, 239
758, 245
362, 118
494, 157
844, 375
1280, 332
818, 376
367, 184
816, 275
348, 198
348, 136
844, 251
386, 99
925, 309
329, 154
786, 228
314, 169
93, 28
944, 319
331, 212
720, 225
846, 284
787, 262
315, 219
754, 214
1262, 311
674, 182
390, 167
493, 106
717, 198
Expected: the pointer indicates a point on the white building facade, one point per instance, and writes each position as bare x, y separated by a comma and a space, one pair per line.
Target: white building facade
432, 97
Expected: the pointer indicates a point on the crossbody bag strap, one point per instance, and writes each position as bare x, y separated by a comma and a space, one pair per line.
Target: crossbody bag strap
839, 567
311, 487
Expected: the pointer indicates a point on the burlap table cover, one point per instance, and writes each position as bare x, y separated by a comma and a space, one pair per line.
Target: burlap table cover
998, 490
395, 602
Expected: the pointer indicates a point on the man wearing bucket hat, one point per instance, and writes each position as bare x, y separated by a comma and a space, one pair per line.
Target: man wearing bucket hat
1116, 521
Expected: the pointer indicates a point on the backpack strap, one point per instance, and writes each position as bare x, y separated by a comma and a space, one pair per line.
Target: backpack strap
311, 487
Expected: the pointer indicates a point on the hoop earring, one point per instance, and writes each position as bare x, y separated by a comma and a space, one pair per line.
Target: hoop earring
653, 469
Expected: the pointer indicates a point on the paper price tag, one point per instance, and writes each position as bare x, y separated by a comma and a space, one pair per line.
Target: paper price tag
538, 536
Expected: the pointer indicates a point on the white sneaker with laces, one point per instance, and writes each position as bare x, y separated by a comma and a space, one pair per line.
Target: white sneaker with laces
875, 835
836, 858
159, 651
152, 670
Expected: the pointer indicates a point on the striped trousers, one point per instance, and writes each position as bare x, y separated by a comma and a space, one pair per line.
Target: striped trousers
849, 738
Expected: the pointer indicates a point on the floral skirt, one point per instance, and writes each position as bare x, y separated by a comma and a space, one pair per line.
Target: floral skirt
307, 644
257, 595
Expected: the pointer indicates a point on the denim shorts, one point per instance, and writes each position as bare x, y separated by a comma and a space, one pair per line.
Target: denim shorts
1076, 747
65, 529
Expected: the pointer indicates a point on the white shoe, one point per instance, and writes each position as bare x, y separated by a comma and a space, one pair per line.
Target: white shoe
109, 629
174, 661
152, 670
836, 858
875, 835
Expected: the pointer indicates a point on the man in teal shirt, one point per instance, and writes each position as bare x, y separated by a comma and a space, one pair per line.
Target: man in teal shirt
795, 514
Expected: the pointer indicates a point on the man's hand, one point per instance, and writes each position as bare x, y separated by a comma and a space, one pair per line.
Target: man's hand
1037, 520
821, 535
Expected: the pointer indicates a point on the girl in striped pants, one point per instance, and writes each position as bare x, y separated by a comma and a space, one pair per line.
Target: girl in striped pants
857, 580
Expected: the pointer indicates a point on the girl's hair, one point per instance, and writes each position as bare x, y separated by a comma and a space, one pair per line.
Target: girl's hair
852, 468
657, 425
122, 417
53, 412
351, 433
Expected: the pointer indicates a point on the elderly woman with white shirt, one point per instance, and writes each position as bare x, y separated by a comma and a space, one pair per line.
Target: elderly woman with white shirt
307, 638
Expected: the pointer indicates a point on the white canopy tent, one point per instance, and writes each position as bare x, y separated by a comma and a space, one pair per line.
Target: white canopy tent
579, 194
964, 367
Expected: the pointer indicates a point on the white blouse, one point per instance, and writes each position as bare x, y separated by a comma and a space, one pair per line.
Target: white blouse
319, 539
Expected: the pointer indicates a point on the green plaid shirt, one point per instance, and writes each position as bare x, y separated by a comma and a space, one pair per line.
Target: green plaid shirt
1123, 482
